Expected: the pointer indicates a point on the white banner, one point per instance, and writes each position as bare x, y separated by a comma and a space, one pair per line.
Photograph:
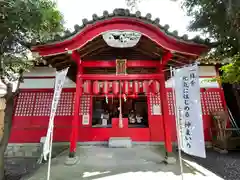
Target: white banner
59, 81
189, 111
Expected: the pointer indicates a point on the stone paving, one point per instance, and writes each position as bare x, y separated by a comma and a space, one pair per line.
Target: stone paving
139, 162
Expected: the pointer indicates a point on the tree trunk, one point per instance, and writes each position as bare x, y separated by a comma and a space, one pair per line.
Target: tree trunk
7, 128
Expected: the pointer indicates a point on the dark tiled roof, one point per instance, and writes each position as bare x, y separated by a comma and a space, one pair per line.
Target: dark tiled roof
125, 13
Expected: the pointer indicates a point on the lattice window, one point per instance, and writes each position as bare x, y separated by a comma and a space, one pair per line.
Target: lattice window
43, 104
85, 105
155, 101
73, 102
204, 110
212, 102
170, 100
25, 104
65, 104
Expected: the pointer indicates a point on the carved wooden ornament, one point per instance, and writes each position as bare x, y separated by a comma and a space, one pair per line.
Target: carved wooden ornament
121, 39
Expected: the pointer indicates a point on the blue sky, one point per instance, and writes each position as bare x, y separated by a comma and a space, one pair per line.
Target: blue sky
168, 11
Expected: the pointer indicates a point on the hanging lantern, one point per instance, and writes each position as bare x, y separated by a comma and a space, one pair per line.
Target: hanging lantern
87, 87
136, 87
116, 87
96, 87
130, 87
155, 87
106, 88
126, 87
145, 87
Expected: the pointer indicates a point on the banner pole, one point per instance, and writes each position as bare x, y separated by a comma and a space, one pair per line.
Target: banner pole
50, 155
178, 128
47, 147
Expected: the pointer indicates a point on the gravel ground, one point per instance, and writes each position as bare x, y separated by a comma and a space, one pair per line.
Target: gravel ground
18, 167
225, 165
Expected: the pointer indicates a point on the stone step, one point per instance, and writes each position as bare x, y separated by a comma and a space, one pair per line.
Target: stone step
120, 142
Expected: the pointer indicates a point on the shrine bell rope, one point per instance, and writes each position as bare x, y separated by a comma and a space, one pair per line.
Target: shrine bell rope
121, 68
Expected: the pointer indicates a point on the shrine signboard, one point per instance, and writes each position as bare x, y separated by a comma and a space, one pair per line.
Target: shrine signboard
121, 66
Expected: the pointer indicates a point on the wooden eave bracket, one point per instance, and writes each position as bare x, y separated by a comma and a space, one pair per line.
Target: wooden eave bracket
166, 57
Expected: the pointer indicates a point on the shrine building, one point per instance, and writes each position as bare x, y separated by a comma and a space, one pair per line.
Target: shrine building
119, 64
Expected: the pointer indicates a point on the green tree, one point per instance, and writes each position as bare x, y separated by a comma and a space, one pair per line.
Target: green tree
22, 21
221, 21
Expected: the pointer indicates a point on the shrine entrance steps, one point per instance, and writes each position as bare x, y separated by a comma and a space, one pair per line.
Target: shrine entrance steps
120, 142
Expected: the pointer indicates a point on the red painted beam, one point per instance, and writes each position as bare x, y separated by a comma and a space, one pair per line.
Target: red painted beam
76, 57
53, 77
105, 77
130, 63
166, 57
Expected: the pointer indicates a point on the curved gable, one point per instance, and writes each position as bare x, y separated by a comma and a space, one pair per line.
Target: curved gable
122, 20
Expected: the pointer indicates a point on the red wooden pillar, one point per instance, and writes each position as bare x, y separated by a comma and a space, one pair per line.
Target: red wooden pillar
166, 119
75, 121
166, 125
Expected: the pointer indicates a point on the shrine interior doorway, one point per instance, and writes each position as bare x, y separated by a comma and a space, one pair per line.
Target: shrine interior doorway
134, 109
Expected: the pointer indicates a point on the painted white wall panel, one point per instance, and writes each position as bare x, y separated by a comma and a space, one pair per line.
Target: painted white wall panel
37, 83
40, 71
44, 83
207, 71
48, 83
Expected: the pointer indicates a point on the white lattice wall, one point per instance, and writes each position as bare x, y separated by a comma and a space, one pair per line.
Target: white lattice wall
155, 100
210, 101
171, 110
85, 104
25, 104
39, 104
43, 104
65, 105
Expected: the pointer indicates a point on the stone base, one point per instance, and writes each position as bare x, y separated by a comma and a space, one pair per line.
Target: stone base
120, 142
32, 149
70, 161
23, 150
221, 151
170, 159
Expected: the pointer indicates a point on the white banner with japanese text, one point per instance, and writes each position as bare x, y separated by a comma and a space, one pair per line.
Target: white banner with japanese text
189, 111
59, 81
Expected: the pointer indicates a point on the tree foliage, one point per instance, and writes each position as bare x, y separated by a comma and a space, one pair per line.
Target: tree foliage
22, 21
231, 70
220, 19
